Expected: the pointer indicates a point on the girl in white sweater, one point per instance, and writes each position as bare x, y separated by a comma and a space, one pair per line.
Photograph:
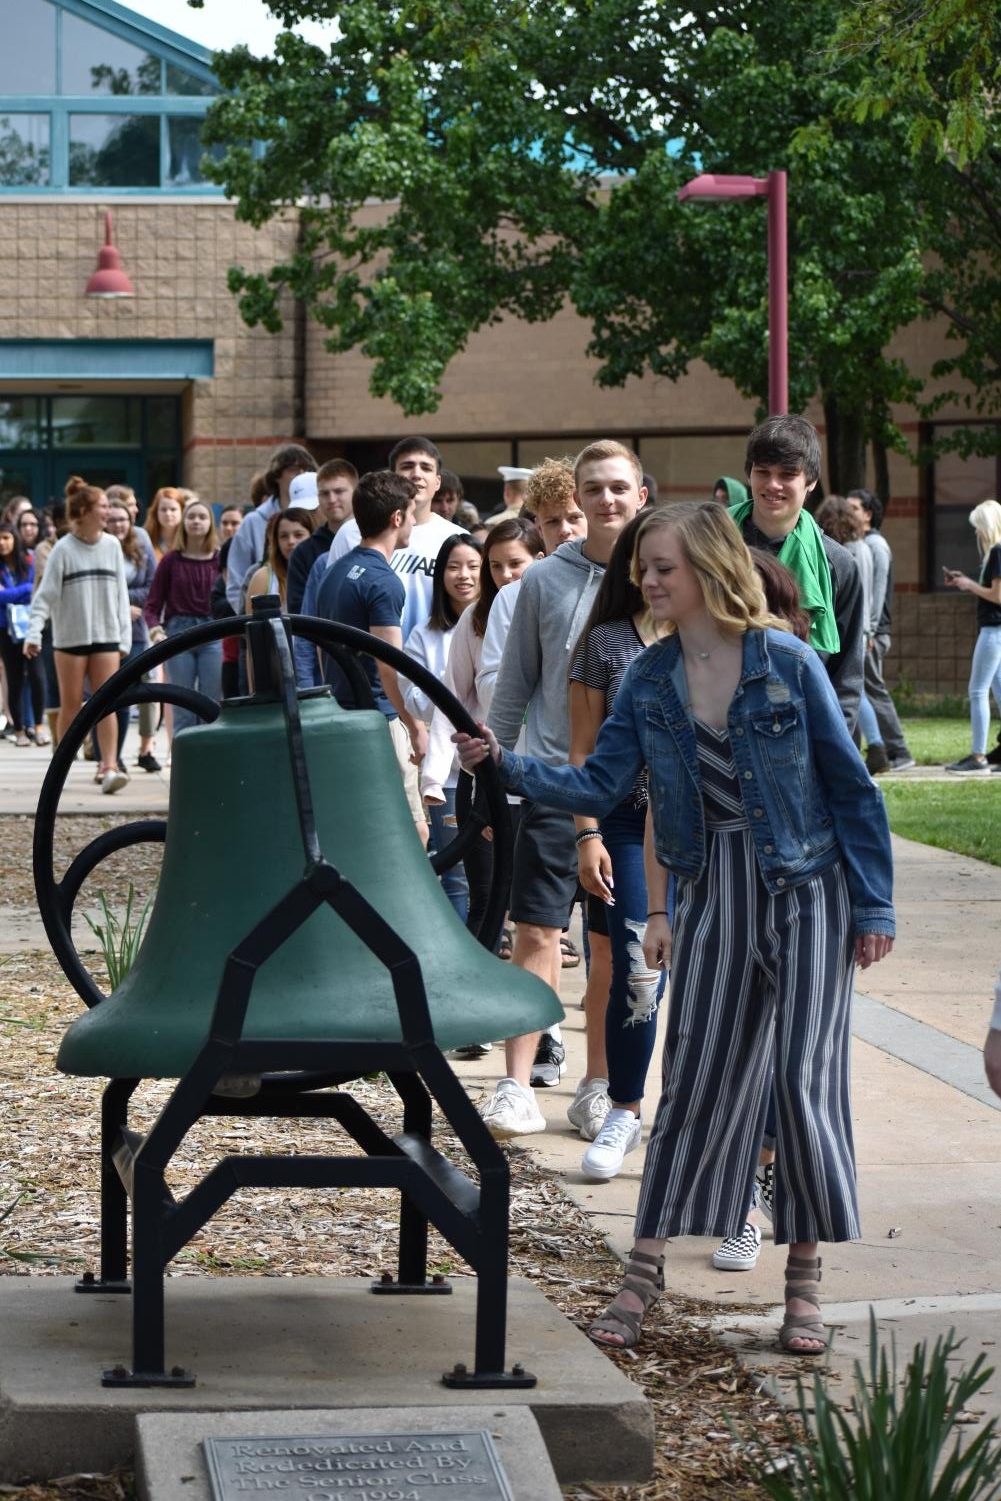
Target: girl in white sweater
84, 592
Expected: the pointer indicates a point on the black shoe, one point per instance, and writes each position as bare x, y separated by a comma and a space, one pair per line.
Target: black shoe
148, 762
550, 1058
969, 765
994, 756
903, 762
122, 766
876, 760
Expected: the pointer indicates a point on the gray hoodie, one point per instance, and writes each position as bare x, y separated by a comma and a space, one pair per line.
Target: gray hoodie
554, 602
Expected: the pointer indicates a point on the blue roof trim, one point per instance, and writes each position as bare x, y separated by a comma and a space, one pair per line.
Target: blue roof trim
130, 25
107, 359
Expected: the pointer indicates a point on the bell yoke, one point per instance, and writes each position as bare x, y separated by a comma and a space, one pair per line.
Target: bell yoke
296, 985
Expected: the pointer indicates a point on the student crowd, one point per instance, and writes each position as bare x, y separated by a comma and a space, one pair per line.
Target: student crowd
671, 694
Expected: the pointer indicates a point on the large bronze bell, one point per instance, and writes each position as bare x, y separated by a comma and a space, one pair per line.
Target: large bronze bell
299, 939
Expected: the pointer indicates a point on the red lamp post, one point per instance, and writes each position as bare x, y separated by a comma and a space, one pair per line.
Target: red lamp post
772, 187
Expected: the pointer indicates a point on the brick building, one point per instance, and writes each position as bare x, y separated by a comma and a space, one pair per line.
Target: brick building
99, 111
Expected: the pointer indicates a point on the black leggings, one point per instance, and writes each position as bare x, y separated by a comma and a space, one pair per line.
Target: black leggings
479, 866
15, 664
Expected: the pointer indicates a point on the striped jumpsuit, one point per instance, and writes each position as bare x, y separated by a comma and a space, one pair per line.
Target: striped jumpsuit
757, 981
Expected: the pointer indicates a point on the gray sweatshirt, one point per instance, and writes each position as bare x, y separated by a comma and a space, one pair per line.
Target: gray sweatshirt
554, 602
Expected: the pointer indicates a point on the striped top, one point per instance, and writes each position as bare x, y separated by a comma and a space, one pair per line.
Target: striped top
600, 662
724, 809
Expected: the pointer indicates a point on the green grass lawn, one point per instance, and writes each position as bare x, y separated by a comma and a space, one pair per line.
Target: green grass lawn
933, 742
964, 815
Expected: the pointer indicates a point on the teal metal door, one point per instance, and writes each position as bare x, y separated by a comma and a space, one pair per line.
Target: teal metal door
23, 474
101, 467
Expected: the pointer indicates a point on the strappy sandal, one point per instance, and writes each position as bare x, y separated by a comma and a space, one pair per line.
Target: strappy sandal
644, 1277
569, 955
802, 1281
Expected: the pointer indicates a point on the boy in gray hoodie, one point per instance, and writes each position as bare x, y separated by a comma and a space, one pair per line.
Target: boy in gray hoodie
554, 602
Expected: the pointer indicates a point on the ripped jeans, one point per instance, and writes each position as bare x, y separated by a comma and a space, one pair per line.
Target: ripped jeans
631, 1018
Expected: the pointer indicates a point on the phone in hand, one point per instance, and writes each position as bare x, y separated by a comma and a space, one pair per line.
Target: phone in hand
950, 573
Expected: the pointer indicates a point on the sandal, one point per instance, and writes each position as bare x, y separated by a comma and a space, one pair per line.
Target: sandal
569, 957
644, 1277
42, 737
505, 948
802, 1281
21, 740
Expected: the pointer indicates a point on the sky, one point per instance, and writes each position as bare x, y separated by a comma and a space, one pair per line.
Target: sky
220, 23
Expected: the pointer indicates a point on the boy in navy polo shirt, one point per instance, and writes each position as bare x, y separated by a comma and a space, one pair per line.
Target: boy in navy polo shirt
362, 590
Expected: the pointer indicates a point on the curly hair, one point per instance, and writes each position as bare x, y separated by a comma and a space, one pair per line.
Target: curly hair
550, 488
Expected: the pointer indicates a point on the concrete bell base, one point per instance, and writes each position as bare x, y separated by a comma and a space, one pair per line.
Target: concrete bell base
297, 1343
171, 1465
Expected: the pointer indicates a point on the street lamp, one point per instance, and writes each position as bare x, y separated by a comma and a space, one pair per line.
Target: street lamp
772, 187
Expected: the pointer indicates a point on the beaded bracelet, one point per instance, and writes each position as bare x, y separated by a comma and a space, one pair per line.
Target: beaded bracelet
587, 834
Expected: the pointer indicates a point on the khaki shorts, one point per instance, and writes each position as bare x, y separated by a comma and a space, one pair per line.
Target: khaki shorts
411, 785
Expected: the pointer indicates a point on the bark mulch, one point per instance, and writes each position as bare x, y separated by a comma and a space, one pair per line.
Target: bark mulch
704, 1402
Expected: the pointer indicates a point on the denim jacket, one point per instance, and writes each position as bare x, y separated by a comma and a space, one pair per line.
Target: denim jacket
808, 798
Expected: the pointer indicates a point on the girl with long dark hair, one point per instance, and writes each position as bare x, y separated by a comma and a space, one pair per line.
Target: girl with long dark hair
454, 591
510, 547
606, 1106
16, 578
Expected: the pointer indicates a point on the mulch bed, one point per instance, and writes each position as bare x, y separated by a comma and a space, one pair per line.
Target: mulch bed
48, 1172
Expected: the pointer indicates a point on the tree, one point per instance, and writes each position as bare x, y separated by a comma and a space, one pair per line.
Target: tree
526, 153
939, 59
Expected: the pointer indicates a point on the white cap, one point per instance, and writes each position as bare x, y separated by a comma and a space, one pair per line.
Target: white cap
508, 473
302, 493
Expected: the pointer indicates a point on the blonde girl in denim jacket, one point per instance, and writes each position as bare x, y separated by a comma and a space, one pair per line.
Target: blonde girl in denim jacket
763, 811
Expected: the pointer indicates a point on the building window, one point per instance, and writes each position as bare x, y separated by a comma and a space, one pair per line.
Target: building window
96, 62
96, 422
28, 54
24, 151
87, 103
22, 422
114, 151
957, 484
185, 150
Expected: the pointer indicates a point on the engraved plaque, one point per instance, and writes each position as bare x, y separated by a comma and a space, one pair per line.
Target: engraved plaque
357, 1467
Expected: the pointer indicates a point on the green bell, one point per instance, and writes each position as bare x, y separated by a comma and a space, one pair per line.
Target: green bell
234, 849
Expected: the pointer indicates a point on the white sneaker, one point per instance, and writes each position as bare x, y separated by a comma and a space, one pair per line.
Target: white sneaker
512, 1111
621, 1133
113, 780
738, 1253
589, 1106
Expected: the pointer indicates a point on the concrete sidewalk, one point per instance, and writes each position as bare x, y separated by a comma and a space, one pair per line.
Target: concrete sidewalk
928, 1130
928, 1137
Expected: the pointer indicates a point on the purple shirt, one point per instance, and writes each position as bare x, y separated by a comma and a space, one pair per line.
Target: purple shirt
181, 586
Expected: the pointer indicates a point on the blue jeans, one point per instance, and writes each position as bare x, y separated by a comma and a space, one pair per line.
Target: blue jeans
201, 668
868, 723
985, 677
441, 817
631, 1018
